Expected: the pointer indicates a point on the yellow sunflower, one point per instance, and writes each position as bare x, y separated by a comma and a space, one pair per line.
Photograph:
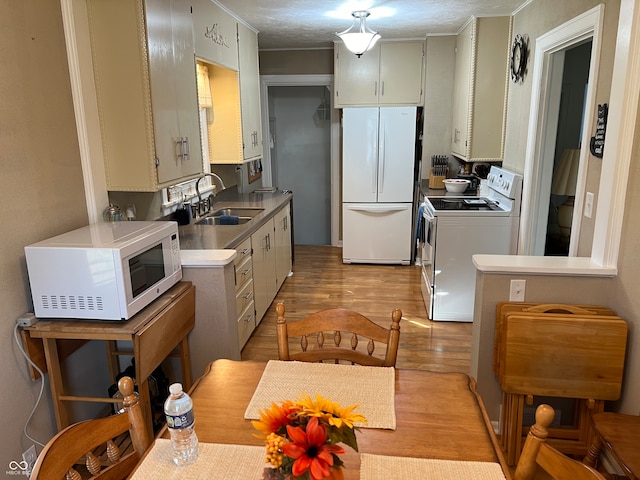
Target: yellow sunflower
331, 412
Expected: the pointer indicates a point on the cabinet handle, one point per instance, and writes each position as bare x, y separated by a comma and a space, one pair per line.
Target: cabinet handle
268, 242
179, 149
382, 89
375, 88
249, 316
187, 154
246, 272
247, 295
246, 251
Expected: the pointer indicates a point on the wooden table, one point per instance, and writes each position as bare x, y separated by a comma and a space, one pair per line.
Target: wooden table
154, 332
438, 415
620, 435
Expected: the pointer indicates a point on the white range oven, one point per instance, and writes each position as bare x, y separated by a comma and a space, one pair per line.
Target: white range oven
457, 227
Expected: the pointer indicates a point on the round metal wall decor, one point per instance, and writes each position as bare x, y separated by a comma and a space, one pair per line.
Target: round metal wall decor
519, 54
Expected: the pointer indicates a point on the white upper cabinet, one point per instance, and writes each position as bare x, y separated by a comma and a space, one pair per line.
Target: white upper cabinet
214, 32
145, 79
391, 73
480, 90
249, 93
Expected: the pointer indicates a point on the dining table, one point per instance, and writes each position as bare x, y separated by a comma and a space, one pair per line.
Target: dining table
438, 417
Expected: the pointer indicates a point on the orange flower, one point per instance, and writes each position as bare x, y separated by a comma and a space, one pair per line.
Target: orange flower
273, 419
309, 451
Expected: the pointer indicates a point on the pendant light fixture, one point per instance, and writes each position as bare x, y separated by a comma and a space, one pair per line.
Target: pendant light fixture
358, 38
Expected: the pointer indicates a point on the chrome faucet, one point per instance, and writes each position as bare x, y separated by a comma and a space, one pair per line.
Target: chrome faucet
214, 176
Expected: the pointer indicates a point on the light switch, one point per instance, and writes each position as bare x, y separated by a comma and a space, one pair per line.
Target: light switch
588, 205
516, 292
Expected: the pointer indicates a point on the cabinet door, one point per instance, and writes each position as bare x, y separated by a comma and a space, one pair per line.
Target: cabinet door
283, 244
264, 268
214, 32
186, 89
357, 81
462, 91
173, 90
249, 93
401, 65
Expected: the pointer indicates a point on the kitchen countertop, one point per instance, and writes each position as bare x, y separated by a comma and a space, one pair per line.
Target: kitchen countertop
217, 237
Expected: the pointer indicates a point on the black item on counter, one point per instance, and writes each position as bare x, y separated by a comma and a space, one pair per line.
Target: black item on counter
475, 181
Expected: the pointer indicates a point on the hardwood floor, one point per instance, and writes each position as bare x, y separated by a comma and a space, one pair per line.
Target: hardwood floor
320, 280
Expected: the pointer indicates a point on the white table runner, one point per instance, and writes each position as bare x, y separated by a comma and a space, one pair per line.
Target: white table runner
215, 462
372, 388
381, 467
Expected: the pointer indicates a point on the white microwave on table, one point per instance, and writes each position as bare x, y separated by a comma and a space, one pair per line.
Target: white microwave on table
105, 271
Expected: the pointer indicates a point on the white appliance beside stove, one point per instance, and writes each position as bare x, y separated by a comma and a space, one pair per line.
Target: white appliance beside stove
457, 227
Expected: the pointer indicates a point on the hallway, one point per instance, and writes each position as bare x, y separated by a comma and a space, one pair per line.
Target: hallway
320, 280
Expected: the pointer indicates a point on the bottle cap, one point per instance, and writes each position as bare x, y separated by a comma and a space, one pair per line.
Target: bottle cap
175, 388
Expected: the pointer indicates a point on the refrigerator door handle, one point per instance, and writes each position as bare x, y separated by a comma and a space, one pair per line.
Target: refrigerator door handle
377, 208
381, 156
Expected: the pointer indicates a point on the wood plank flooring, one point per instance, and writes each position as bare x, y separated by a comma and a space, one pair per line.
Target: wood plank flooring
320, 280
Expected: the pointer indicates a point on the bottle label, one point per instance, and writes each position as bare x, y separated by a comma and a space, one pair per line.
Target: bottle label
180, 421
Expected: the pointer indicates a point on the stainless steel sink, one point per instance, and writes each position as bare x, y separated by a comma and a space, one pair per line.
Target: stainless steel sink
237, 211
244, 215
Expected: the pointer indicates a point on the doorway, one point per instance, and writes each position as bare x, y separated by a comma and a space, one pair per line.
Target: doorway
300, 148
548, 69
575, 77
302, 152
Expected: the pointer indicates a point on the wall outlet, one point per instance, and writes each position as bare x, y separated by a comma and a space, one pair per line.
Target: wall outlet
26, 319
30, 456
516, 293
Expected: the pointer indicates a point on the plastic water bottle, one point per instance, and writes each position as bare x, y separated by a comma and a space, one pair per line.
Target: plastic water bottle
178, 410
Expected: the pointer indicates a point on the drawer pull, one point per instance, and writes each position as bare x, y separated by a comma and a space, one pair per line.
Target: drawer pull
247, 295
246, 251
246, 272
249, 317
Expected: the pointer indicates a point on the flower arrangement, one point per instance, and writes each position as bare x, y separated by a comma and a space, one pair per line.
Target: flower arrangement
302, 438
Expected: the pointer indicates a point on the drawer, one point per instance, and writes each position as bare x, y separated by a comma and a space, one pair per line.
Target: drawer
244, 296
243, 251
246, 324
244, 272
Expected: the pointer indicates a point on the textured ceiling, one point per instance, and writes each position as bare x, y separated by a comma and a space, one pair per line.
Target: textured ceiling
286, 24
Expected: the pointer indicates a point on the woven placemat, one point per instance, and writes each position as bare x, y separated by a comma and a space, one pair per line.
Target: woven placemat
372, 388
381, 467
215, 462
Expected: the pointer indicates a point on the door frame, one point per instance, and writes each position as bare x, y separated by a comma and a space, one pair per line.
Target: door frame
545, 98
267, 81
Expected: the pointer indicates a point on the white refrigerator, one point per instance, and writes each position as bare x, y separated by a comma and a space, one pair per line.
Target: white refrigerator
378, 161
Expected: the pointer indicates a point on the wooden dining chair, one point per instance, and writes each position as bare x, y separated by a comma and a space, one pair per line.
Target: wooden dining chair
536, 453
59, 457
331, 325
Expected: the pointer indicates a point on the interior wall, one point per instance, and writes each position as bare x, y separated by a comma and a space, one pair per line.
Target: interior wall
619, 293
296, 62
534, 20
492, 289
41, 188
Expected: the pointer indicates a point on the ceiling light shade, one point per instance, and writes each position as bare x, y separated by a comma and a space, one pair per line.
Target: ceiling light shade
358, 38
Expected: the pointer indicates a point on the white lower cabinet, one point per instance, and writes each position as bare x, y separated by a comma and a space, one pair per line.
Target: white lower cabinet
282, 221
264, 267
271, 258
245, 306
